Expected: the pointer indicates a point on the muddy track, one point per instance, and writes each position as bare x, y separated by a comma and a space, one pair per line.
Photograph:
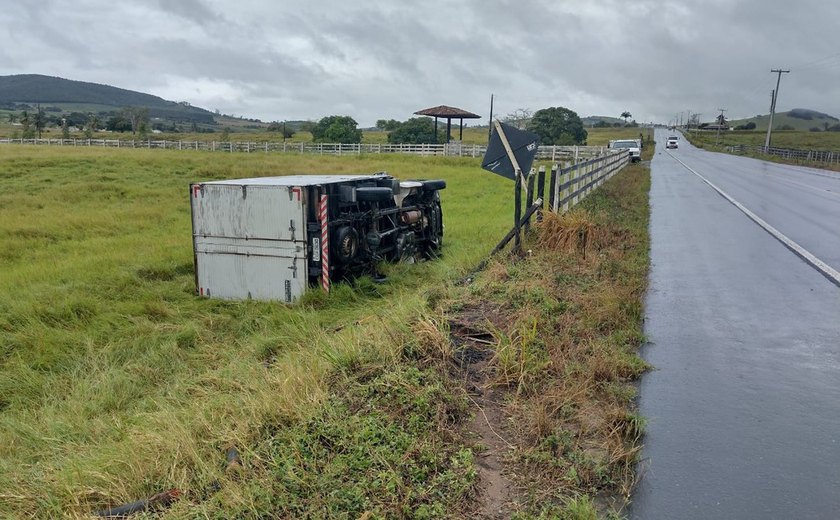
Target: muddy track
473, 354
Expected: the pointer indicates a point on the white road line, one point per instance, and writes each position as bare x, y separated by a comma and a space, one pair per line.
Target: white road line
824, 269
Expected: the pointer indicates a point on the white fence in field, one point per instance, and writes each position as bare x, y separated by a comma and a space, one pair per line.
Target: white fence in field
553, 153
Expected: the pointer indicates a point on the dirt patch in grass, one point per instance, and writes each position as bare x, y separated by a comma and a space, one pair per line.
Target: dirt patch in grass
474, 350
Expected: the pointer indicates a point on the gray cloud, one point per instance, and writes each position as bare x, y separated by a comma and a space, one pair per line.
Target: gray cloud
377, 59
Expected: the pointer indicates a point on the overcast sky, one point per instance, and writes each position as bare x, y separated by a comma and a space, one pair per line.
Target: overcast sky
276, 60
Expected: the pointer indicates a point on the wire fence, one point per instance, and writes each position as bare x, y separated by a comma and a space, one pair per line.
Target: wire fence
819, 156
553, 153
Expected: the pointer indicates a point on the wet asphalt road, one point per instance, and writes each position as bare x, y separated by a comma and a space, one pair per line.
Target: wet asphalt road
743, 408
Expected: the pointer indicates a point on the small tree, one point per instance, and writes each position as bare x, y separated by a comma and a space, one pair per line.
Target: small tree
388, 125
139, 118
558, 125
277, 126
65, 130
26, 122
337, 129
519, 118
39, 121
91, 125
626, 115
118, 123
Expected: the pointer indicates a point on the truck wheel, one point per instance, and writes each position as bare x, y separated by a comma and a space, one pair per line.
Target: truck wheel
374, 194
345, 245
437, 226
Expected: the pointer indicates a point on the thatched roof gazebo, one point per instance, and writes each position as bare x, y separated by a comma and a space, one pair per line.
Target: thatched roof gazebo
449, 113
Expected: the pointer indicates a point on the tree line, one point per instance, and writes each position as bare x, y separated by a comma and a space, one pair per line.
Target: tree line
129, 119
554, 125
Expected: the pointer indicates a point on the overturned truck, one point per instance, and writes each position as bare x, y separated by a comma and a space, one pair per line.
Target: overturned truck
270, 238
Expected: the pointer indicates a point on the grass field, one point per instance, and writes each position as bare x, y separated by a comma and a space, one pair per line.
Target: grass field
784, 119
796, 139
116, 382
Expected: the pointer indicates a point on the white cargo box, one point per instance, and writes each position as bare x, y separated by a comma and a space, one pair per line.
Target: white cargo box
250, 235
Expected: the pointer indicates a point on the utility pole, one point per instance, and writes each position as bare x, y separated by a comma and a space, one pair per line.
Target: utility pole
720, 123
490, 125
773, 105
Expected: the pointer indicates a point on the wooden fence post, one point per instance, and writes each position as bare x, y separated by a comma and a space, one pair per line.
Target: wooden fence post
529, 197
565, 181
517, 211
541, 191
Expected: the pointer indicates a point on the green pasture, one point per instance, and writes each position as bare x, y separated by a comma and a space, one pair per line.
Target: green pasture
116, 381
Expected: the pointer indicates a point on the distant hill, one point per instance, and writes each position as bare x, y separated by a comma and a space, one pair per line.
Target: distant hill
64, 95
592, 120
798, 119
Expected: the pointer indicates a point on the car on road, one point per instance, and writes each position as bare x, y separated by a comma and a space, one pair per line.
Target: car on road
672, 142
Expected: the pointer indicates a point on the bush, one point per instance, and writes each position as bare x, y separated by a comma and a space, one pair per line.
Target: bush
417, 130
337, 129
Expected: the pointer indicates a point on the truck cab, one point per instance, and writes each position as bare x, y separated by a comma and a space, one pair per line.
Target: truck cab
633, 147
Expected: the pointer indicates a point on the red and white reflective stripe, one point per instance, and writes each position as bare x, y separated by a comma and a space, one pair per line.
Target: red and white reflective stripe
325, 244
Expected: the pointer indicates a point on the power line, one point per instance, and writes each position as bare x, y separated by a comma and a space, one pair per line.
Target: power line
818, 62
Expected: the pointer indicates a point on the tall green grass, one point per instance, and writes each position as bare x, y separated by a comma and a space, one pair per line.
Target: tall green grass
795, 139
789, 139
116, 381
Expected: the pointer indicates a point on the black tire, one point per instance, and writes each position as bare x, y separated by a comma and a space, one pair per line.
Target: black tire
434, 185
374, 194
345, 245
